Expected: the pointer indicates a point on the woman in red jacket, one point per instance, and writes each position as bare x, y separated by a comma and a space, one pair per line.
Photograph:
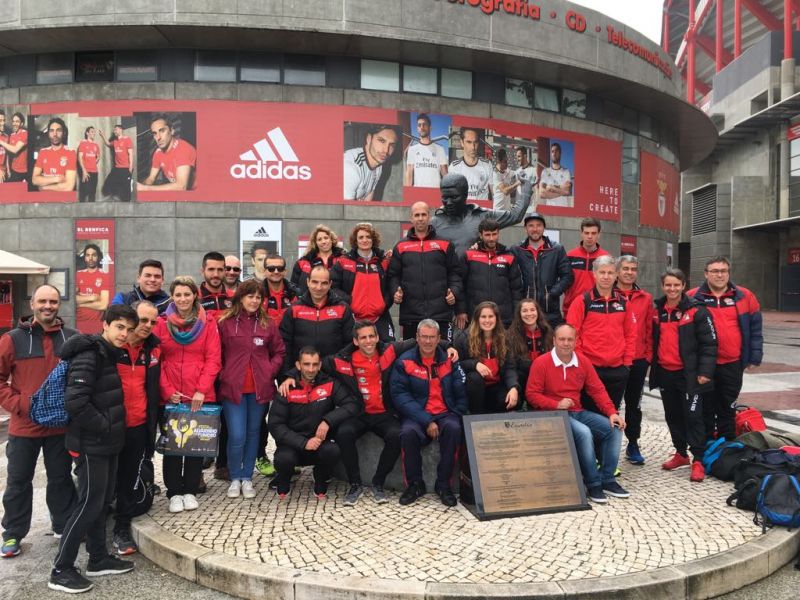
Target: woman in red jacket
323, 249
529, 335
190, 362
252, 355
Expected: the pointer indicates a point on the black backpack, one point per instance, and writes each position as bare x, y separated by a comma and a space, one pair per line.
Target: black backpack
765, 462
145, 489
721, 458
778, 502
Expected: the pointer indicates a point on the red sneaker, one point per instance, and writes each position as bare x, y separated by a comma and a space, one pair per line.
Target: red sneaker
698, 472
676, 462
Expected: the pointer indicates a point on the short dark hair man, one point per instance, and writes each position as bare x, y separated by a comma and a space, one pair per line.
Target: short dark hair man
56, 167
581, 258
557, 381
174, 158
88, 157
491, 272
148, 287
92, 290
301, 419
258, 253
428, 390
426, 161
213, 297
363, 166
95, 436
16, 148
546, 272
555, 185
475, 168
504, 182
27, 355
118, 181
279, 292
737, 320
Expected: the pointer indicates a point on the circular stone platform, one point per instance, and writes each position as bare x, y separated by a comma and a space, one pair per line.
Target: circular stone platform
671, 538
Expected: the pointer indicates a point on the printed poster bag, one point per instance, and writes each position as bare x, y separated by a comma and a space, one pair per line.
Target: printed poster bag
187, 433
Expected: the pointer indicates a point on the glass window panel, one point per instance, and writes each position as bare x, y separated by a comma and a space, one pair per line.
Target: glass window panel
456, 84
546, 99
303, 70
573, 103
137, 66
264, 68
215, 66
380, 75
519, 93
54, 68
420, 80
630, 120
646, 125
794, 147
630, 158
94, 66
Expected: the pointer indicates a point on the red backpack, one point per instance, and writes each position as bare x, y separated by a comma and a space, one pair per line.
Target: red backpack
748, 419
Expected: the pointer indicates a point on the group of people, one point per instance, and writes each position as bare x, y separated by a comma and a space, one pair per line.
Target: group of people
482, 331
59, 168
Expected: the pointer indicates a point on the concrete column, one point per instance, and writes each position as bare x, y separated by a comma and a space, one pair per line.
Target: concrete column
787, 78
783, 179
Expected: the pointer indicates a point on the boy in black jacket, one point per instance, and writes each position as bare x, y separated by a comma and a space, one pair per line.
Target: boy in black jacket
95, 435
301, 419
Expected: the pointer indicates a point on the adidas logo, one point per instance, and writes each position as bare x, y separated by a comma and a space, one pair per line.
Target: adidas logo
261, 232
268, 158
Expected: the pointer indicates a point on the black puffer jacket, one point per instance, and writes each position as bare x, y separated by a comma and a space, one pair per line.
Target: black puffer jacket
93, 398
491, 275
546, 276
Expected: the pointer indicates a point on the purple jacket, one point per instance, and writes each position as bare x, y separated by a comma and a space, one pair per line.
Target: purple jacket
246, 342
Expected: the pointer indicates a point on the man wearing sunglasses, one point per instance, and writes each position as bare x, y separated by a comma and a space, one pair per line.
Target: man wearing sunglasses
233, 270
279, 292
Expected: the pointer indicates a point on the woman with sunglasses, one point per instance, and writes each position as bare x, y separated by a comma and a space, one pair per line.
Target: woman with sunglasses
323, 249
359, 278
529, 335
190, 362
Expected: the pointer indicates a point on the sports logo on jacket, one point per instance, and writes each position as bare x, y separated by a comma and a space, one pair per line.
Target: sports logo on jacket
271, 157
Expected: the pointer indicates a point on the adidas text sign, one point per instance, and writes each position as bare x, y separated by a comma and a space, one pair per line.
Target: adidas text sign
271, 158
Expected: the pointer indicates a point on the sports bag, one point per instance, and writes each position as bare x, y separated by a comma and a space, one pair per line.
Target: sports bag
723, 461
746, 496
145, 488
766, 462
778, 502
764, 440
47, 403
749, 419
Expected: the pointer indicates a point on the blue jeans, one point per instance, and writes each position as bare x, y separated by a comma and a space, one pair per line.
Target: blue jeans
244, 424
586, 427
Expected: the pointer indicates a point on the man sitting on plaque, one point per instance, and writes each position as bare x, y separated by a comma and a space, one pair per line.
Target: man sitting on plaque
555, 383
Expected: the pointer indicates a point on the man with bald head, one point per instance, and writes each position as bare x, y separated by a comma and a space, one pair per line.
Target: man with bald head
233, 270
424, 275
457, 221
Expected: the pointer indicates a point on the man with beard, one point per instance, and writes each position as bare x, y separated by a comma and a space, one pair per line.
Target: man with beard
173, 157
88, 154
474, 167
56, 167
458, 221
426, 161
363, 166
213, 297
118, 182
16, 149
555, 186
92, 291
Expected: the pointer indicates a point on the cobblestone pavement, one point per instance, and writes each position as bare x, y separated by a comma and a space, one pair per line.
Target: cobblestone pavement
667, 521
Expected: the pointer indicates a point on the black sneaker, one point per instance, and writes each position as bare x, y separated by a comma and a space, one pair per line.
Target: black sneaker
69, 580
321, 489
596, 494
108, 565
415, 489
353, 494
446, 495
123, 543
616, 490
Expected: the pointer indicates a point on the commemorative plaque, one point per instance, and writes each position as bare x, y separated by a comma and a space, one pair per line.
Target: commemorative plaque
523, 463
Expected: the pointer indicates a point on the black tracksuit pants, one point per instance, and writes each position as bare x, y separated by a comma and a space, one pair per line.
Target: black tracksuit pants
683, 412
385, 426
719, 413
633, 399
128, 465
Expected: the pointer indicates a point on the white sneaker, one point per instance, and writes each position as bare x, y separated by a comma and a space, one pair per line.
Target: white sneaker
190, 502
248, 491
176, 504
235, 488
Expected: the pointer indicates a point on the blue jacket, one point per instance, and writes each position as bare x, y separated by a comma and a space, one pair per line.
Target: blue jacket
160, 300
409, 385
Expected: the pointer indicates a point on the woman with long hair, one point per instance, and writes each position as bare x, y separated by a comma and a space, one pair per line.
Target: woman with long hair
483, 351
529, 335
252, 355
190, 362
323, 249
360, 280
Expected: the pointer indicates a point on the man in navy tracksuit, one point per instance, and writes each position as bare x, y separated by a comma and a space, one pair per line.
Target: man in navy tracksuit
429, 392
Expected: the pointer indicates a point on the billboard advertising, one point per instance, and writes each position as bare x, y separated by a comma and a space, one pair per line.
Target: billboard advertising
660, 185
218, 151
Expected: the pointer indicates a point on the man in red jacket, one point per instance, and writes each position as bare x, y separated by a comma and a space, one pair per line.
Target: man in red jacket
640, 303
581, 260
27, 355
557, 382
213, 296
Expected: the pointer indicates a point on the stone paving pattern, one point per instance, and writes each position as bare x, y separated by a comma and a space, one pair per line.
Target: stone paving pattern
668, 520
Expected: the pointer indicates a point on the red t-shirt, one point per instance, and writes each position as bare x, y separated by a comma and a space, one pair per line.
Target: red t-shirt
3, 138
19, 164
179, 154
121, 146
367, 371
249, 385
57, 161
493, 364
533, 340
90, 282
668, 352
435, 405
90, 150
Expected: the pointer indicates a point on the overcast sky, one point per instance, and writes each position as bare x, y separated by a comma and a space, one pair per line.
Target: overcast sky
642, 15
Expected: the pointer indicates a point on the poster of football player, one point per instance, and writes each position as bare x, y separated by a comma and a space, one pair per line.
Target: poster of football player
94, 272
370, 152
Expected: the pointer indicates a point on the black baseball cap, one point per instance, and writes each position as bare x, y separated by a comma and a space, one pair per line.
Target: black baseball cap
535, 215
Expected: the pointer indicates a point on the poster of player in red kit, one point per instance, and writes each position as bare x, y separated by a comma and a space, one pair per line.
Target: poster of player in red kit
94, 272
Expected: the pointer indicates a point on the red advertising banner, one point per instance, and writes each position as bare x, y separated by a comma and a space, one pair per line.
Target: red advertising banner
94, 272
793, 256
216, 151
627, 245
659, 189
793, 132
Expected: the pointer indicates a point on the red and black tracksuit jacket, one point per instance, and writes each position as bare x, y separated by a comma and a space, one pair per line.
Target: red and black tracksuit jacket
581, 262
302, 268
214, 303
491, 275
697, 342
328, 328
277, 304
640, 303
363, 284
738, 321
425, 269
294, 418
606, 329
132, 369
